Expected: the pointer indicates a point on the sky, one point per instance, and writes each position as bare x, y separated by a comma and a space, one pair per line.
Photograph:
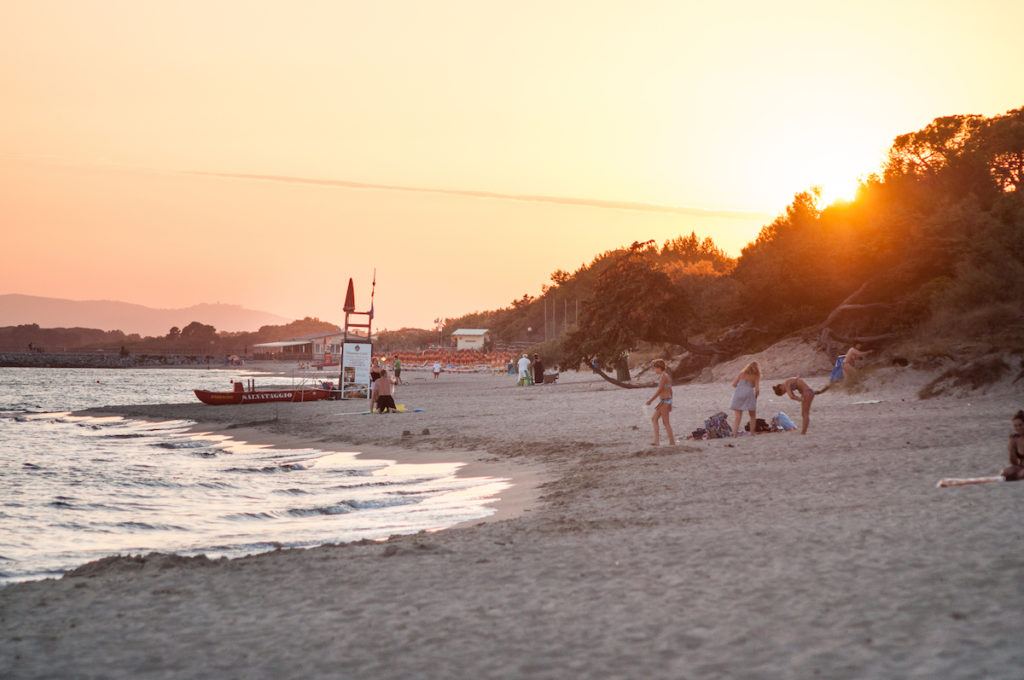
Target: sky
260, 153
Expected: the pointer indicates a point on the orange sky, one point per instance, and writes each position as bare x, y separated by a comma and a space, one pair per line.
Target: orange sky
112, 112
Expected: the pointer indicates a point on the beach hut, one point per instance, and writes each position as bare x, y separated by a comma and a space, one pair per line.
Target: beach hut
470, 338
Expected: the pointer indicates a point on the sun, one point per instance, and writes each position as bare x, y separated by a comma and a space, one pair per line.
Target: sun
838, 191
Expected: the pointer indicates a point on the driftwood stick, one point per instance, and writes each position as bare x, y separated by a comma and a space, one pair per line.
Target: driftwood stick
967, 481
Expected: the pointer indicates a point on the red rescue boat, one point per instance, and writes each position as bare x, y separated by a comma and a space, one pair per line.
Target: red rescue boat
253, 396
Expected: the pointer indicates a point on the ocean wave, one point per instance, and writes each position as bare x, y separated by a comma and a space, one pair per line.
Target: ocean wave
143, 526
344, 507
283, 467
182, 444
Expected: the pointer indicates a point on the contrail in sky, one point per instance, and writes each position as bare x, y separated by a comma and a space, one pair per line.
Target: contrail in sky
527, 198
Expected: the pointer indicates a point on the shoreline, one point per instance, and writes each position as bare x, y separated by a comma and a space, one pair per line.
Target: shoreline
524, 479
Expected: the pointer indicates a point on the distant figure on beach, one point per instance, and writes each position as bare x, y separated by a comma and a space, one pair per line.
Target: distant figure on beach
437, 369
798, 390
1015, 448
744, 398
524, 370
397, 367
538, 370
510, 368
374, 370
382, 393
663, 394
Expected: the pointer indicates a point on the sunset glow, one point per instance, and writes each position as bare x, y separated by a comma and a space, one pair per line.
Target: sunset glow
155, 152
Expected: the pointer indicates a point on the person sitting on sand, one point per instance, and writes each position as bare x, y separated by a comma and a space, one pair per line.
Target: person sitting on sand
748, 389
797, 389
383, 393
1015, 447
854, 356
664, 396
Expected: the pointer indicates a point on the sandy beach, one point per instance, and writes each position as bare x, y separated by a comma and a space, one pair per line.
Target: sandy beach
779, 556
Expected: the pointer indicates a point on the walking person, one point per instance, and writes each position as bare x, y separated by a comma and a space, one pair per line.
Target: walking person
397, 368
437, 369
524, 370
744, 398
797, 389
664, 408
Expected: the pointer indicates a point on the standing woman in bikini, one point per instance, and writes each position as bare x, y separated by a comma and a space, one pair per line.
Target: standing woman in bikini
798, 390
664, 407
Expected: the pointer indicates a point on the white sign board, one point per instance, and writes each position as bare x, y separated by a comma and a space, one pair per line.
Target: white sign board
355, 367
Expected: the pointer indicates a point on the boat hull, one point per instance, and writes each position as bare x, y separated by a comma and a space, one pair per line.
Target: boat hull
262, 396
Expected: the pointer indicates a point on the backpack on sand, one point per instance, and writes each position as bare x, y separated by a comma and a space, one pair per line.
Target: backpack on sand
718, 426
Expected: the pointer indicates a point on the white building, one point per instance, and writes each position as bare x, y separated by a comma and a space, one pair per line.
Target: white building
321, 348
470, 338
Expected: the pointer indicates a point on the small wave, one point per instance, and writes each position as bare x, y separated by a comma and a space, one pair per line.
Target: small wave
31, 466
61, 504
186, 444
345, 507
283, 467
143, 526
293, 491
215, 485
132, 435
250, 515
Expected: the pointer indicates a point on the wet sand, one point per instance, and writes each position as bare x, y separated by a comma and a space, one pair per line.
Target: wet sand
778, 556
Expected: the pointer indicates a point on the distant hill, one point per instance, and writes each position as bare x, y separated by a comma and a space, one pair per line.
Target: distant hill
112, 315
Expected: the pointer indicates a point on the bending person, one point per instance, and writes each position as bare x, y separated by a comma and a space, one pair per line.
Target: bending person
797, 389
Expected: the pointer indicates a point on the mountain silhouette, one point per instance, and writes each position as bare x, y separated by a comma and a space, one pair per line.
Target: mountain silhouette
112, 315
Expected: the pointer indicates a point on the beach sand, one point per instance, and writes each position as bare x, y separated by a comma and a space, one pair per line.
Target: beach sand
779, 556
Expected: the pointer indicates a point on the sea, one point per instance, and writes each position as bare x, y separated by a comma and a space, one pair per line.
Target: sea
76, 488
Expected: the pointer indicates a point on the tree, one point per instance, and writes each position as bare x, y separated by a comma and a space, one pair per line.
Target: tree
632, 302
174, 333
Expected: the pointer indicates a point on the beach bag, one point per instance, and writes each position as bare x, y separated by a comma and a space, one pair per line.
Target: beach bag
783, 422
718, 426
762, 426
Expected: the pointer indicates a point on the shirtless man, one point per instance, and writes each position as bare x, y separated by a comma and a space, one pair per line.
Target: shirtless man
798, 390
854, 356
1015, 448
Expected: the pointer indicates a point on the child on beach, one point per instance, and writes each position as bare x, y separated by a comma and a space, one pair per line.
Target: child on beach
798, 390
437, 369
383, 392
664, 396
748, 389
1015, 448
